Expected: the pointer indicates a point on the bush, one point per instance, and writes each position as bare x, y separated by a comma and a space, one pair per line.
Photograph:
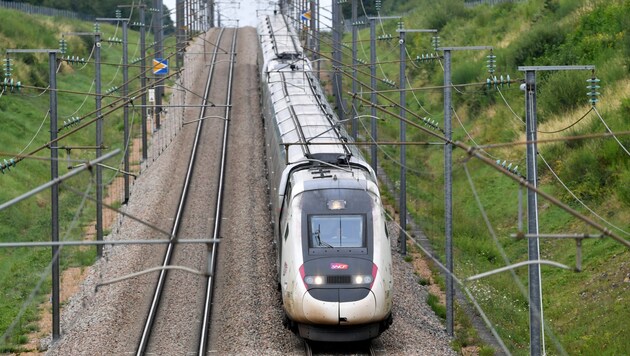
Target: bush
467, 72
442, 12
562, 91
585, 173
532, 46
623, 191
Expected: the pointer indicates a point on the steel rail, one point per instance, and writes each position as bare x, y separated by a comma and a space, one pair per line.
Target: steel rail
212, 258
148, 325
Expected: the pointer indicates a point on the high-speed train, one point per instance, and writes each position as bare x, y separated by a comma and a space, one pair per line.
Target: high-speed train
333, 250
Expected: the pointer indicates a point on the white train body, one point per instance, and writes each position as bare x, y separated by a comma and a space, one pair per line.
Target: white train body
333, 252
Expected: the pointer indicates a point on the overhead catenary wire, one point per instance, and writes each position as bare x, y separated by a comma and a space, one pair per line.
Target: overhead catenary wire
456, 280
553, 172
113, 108
79, 211
503, 254
472, 152
45, 273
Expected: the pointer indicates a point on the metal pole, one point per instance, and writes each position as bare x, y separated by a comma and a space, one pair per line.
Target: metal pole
54, 195
158, 49
403, 152
355, 129
125, 93
374, 97
211, 13
99, 144
313, 36
192, 17
535, 289
195, 16
189, 20
143, 80
448, 192
336, 7
179, 32
317, 46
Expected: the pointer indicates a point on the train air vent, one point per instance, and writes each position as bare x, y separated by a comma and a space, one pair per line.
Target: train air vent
338, 279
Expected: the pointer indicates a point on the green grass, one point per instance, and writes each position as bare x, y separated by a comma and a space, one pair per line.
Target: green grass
587, 311
21, 114
434, 302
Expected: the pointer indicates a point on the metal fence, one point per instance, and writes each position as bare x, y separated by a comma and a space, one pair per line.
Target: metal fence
46, 11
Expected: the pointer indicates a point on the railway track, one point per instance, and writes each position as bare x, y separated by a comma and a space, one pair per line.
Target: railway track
155, 310
212, 258
355, 349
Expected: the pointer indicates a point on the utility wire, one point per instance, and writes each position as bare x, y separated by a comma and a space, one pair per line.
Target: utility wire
578, 199
570, 126
36, 133
456, 280
506, 259
45, 273
610, 131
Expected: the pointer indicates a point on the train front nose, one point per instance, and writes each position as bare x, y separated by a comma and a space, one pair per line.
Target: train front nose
339, 306
338, 291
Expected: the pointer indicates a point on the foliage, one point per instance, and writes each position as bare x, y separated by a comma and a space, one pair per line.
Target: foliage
101, 8
434, 302
22, 118
596, 171
558, 93
439, 13
531, 48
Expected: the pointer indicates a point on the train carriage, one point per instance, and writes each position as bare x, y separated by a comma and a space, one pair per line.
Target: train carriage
333, 251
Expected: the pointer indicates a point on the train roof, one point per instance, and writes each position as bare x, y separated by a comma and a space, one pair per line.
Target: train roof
303, 116
278, 38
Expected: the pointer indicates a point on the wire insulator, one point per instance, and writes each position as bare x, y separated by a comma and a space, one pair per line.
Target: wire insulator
492, 60
6, 165
508, 167
593, 93
8, 67
111, 90
435, 41
63, 46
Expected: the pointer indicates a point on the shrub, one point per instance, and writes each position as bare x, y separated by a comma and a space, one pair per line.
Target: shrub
532, 46
562, 91
442, 12
623, 191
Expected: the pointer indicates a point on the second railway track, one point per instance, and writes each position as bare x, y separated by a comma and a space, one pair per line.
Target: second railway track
163, 324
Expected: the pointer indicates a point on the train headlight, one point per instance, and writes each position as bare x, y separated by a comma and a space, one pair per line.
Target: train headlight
363, 279
336, 204
314, 280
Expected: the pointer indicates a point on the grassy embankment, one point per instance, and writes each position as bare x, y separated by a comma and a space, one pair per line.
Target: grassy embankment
22, 118
586, 311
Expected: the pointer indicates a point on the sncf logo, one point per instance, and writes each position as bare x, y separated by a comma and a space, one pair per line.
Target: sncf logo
336, 265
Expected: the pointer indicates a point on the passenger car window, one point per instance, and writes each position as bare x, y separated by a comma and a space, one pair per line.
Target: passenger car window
328, 231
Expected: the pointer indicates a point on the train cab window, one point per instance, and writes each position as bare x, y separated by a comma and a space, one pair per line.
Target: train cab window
329, 231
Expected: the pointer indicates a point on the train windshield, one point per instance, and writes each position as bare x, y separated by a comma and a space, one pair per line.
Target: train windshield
337, 231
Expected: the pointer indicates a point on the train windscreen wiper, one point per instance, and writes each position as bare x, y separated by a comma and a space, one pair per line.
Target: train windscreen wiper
320, 243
